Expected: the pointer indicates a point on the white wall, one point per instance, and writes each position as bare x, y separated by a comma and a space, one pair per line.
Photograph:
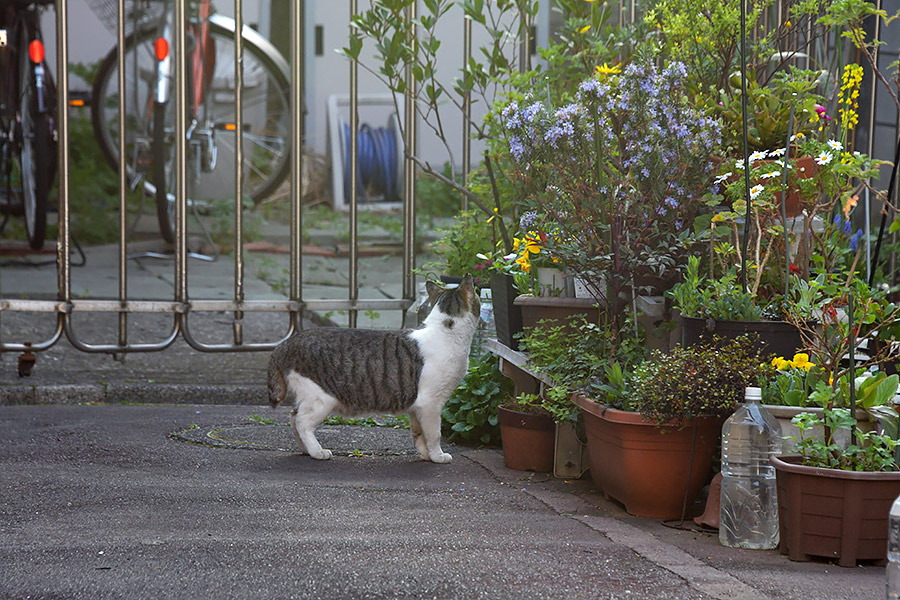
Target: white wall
90, 40
330, 74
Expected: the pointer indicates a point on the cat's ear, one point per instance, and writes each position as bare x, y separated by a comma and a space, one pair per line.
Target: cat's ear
433, 290
467, 286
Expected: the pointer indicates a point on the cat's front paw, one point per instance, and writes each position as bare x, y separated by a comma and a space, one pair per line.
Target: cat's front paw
323, 454
442, 458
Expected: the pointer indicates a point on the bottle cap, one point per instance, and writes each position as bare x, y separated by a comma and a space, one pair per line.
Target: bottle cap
753, 393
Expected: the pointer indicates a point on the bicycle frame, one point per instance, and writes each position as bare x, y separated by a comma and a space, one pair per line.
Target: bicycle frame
27, 19
27, 119
201, 60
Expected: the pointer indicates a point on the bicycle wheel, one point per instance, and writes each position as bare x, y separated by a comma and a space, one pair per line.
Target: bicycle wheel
265, 111
36, 151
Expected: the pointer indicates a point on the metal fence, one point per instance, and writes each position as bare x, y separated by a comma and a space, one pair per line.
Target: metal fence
181, 306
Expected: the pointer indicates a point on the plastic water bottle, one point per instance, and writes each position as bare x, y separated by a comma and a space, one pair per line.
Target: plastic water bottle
893, 552
486, 323
748, 508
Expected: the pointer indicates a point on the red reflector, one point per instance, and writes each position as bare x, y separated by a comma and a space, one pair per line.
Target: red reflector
36, 51
161, 48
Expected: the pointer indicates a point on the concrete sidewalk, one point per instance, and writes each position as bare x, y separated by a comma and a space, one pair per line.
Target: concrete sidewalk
103, 502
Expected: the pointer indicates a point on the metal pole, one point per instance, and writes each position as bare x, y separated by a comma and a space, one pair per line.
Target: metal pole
870, 150
409, 170
237, 325
63, 250
354, 182
123, 183
181, 292
298, 10
746, 240
467, 109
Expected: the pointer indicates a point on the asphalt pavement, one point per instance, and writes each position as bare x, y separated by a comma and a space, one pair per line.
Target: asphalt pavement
166, 475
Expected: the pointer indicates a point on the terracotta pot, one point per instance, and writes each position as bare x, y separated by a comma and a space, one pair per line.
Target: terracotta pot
644, 466
833, 514
778, 337
528, 440
555, 310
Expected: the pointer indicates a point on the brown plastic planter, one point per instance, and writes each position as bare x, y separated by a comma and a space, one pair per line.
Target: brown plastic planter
528, 440
833, 514
555, 310
644, 466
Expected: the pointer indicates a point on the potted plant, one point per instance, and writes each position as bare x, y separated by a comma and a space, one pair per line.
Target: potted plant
618, 186
528, 433
564, 356
799, 385
720, 308
653, 451
834, 500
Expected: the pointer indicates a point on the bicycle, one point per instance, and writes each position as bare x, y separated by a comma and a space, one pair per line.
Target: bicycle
27, 118
210, 107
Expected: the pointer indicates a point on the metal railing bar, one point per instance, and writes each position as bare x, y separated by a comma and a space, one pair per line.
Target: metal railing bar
63, 267
181, 289
4, 347
467, 109
256, 347
119, 348
409, 171
298, 10
237, 325
123, 209
167, 306
354, 180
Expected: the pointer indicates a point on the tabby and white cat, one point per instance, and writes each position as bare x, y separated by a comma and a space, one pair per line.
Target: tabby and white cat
357, 372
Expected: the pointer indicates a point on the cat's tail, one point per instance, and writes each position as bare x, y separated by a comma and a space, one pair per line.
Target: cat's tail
277, 386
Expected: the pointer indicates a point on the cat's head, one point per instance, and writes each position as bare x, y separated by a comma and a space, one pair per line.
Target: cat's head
455, 303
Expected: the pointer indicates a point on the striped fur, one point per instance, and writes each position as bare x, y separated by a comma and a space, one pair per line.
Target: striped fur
357, 371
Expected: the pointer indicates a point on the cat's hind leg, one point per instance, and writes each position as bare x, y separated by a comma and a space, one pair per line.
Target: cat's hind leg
429, 417
418, 439
313, 406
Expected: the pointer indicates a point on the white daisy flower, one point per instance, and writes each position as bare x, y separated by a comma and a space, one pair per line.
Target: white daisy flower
823, 158
758, 155
777, 152
781, 164
755, 191
721, 178
835, 145
739, 165
770, 174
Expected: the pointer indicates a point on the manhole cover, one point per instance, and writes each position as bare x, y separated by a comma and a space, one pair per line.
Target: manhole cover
343, 440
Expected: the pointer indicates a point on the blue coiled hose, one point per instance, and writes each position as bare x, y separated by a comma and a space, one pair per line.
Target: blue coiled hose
376, 167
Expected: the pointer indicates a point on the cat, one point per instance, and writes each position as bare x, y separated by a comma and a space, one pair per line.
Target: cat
356, 372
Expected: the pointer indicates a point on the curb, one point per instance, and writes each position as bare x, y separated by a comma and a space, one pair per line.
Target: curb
133, 393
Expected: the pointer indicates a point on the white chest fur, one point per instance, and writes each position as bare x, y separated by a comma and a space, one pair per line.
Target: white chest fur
445, 354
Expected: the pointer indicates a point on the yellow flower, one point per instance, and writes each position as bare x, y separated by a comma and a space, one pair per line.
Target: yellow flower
605, 69
522, 261
515, 244
801, 361
533, 243
848, 204
780, 364
583, 29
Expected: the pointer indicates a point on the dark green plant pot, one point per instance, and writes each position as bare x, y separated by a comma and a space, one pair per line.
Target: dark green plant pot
777, 337
507, 316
